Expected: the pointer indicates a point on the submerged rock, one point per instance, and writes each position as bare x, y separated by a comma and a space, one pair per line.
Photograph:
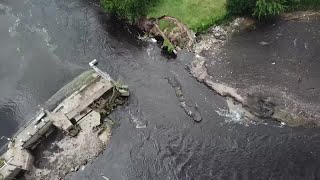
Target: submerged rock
190, 109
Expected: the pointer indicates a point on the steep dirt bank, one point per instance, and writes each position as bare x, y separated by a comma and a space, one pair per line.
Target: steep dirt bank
271, 71
174, 34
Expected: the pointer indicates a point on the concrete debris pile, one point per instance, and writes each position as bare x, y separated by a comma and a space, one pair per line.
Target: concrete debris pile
80, 115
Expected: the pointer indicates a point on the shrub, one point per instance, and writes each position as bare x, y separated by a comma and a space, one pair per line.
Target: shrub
258, 8
303, 4
241, 7
263, 9
268, 8
130, 9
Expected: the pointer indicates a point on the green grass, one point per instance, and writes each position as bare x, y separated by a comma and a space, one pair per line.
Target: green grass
163, 24
198, 15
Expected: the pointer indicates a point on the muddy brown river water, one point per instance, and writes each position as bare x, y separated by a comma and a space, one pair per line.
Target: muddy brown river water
44, 44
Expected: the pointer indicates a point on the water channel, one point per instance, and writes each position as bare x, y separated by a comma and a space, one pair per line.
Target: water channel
44, 44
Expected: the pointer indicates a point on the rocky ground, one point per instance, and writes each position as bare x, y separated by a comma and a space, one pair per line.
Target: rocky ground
62, 155
270, 71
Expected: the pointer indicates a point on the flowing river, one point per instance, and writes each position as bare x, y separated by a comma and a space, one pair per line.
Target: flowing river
46, 43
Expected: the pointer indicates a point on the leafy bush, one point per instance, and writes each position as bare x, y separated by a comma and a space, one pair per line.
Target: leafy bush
258, 8
263, 9
268, 8
130, 9
241, 7
303, 4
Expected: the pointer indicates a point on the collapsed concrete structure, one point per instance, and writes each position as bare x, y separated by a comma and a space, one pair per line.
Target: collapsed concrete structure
95, 96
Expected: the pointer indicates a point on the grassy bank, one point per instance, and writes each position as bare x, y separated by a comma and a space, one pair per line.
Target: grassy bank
196, 14
200, 15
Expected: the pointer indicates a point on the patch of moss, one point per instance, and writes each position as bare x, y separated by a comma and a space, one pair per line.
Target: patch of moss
2, 163
170, 47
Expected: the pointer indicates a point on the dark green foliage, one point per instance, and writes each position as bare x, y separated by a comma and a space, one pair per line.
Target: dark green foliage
130, 9
264, 9
303, 4
268, 8
260, 9
241, 7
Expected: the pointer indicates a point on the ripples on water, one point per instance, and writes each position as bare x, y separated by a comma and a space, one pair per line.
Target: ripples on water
155, 139
29, 70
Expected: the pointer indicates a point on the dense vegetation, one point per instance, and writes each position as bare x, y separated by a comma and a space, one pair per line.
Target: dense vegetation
257, 8
303, 4
263, 9
130, 9
201, 14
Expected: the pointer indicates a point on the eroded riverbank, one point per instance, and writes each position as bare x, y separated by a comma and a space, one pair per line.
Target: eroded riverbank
271, 71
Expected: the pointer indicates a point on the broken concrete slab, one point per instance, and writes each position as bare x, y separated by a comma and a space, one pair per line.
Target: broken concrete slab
73, 152
60, 120
76, 116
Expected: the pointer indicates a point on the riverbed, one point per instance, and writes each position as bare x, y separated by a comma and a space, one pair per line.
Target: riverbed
45, 44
